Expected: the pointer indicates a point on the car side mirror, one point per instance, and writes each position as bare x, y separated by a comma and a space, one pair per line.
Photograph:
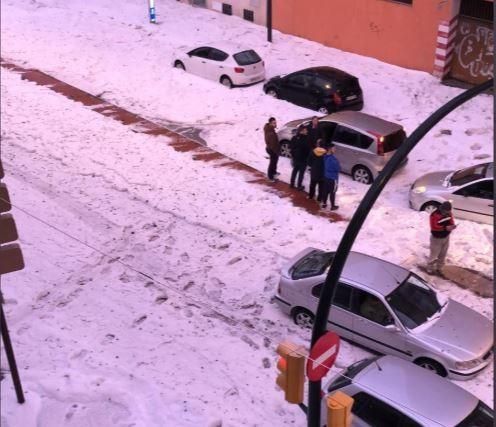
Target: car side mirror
392, 327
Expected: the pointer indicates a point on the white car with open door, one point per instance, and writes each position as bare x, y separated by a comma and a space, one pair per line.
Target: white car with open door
228, 63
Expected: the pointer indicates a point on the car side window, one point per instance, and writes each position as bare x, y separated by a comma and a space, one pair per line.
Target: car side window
364, 141
481, 190
377, 413
217, 55
346, 136
317, 289
298, 80
342, 297
370, 307
201, 52
322, 84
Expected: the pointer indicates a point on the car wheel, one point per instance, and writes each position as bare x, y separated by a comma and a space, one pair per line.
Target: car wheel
285, 151
303, 318
362, 174
431, 365
323, 110
180, 65
226, 81
430, 207
272, 92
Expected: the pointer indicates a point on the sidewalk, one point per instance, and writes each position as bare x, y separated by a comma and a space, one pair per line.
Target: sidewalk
178, 142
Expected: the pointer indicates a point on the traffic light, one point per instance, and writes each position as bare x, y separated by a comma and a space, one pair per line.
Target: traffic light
339, 410
292, 366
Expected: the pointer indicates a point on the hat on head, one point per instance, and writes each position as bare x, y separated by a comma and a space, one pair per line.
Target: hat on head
445, 207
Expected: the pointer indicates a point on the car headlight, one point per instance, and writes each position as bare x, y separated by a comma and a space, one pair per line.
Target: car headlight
469, 364
419, 190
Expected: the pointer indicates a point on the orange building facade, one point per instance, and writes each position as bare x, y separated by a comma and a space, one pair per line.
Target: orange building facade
419, 34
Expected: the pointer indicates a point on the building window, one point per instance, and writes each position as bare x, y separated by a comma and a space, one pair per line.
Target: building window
478, 9
403, 1
226, 9
248, 15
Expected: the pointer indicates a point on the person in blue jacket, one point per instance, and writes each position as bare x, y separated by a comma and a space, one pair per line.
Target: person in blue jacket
331, 175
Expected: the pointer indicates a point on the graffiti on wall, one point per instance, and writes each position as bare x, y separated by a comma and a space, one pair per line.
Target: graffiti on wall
474, 52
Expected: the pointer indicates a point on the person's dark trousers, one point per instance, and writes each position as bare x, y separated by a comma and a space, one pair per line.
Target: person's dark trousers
330, 188
319, 184
298, 170
271, 172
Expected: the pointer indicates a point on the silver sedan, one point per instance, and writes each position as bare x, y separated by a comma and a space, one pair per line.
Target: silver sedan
391, 310
470, 191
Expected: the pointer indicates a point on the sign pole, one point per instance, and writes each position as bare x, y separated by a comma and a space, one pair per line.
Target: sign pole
10, 355
269, 21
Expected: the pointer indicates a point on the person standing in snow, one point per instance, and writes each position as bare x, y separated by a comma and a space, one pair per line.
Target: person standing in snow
299, 156
314, 132
272, 147
331, 175
316, 164
442, 224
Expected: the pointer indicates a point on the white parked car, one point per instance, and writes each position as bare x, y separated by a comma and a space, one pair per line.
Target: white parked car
227, 63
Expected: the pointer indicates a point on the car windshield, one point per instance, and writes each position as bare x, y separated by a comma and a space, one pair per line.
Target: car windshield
481, 416
414, 302
463, 176
247, 57
314, 264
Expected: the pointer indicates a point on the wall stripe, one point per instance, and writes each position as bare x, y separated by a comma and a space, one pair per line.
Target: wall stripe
445, 44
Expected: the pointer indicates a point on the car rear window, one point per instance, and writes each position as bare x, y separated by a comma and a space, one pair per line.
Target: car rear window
349, 85
394, 140
314, 264
247, 57
346, 376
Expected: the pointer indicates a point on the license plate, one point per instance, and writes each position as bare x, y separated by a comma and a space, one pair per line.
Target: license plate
349, 98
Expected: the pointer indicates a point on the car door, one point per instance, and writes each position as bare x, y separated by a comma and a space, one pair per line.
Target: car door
197, 61
475, 201
295, 88
215, 64
340, 315
374, 325
347, 141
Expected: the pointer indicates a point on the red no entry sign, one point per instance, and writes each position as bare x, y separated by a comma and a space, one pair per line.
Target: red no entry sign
322, 356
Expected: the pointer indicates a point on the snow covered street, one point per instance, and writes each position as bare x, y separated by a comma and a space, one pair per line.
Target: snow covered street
146, 299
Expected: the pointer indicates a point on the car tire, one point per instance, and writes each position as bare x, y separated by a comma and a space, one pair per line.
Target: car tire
323, 110
362, 174
431, 365
180, 65
285, 151
303, 317
430, 207
272, 92
226, 81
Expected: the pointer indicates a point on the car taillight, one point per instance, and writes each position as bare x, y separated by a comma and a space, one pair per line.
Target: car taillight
239, 70
336, 98
380, 146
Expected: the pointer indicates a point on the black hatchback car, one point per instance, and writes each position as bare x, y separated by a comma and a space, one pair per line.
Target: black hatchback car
324, 89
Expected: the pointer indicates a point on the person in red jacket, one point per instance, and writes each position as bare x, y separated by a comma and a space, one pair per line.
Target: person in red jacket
442, 224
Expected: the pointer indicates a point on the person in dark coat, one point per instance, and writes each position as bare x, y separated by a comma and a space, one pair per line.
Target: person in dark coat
314, 132
299, 156
272, 147
316, 165
331, 175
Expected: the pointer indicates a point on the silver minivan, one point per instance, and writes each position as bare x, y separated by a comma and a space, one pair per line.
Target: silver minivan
390, 310
364, 143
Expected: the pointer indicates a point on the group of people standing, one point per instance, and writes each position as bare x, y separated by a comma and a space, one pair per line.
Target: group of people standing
308, 150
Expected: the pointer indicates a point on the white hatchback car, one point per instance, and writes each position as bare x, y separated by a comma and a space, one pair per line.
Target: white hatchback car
230, 64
